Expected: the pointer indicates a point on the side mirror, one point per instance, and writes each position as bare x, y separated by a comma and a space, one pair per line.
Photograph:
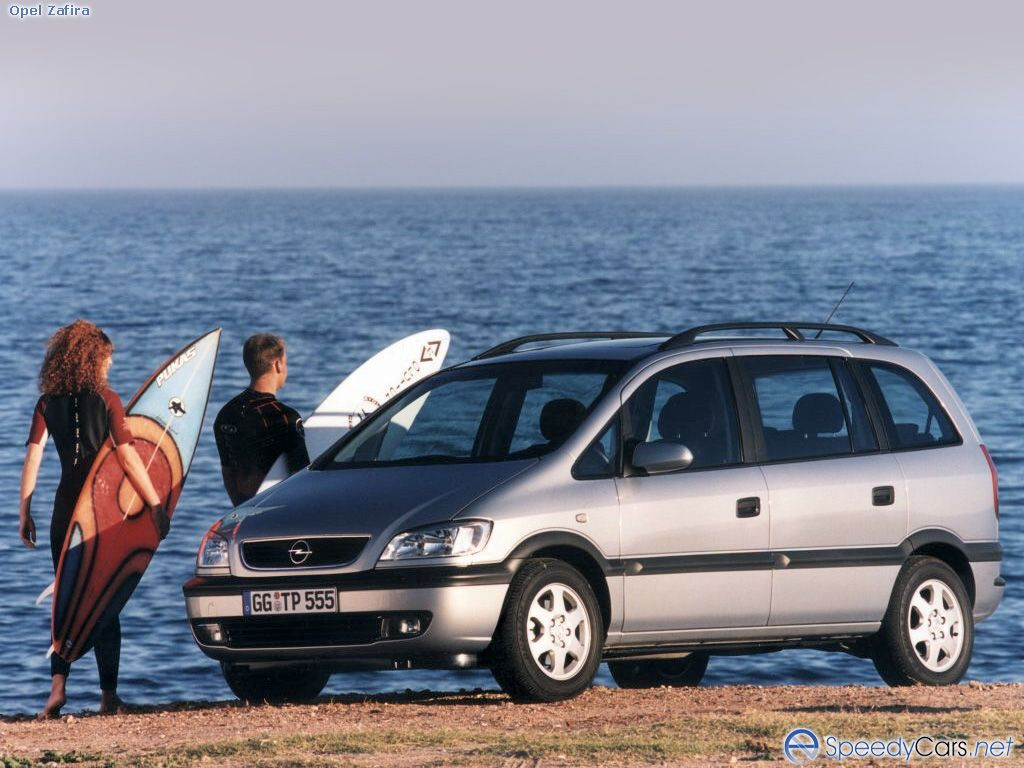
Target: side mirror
662, 456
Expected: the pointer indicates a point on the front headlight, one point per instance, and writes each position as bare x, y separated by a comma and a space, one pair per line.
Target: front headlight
213, 550
444, 540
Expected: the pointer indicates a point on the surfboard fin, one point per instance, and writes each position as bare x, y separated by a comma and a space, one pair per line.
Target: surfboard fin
45, 593
49, 653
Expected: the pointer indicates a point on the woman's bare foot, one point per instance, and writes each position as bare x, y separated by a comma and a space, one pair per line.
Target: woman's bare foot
111, 704
58, 698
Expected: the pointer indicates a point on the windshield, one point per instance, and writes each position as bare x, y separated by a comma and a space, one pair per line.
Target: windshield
500, 412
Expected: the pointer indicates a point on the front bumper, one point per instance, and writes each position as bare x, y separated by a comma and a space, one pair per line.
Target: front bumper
457, 608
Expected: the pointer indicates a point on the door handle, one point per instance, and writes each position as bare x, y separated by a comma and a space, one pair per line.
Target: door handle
883, 496
748, 507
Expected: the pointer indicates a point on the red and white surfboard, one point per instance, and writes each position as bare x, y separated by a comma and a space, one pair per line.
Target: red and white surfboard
110, 541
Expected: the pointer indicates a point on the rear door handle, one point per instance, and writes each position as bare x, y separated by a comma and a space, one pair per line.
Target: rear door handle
748, 507
883, 495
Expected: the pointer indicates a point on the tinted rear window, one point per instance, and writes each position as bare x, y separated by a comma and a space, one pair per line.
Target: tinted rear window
809, 407
912, 414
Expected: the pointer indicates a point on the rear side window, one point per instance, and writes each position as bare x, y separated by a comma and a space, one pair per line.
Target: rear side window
809, 408
912, 414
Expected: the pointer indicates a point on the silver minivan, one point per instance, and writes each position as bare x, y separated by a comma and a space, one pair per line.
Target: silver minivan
643, 499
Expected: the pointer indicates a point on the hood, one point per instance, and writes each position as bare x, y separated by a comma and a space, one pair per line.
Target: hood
368, 501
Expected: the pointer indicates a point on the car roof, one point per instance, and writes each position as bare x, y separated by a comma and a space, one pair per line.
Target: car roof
635, 346
590, 349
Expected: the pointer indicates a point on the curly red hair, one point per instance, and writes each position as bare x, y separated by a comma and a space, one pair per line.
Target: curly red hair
75, 357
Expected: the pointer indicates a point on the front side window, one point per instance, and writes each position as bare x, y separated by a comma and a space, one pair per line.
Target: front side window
803, 413
601, 458
691, 404
913, 416
564, 396
498, 412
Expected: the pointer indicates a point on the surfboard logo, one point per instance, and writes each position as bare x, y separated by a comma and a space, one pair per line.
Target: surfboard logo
166, 374
430, 350
176, 406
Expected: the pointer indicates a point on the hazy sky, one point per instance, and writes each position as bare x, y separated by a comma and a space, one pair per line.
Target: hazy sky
437, 92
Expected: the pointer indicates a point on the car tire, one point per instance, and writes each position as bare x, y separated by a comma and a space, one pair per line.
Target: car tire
278, 685
547, 646
927, 633
653, 673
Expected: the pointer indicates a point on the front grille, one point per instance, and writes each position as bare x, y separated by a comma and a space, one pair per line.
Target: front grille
309, 552
304, 631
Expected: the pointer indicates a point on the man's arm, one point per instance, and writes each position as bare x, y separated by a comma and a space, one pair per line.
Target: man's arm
296, 456
231, 486
224, 433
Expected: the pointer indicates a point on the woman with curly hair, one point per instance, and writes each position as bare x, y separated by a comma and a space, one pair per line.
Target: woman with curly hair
80, 411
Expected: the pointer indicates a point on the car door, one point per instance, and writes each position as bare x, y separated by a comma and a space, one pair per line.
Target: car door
838, 504
694, 542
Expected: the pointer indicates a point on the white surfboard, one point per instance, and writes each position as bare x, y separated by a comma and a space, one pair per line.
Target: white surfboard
369, 386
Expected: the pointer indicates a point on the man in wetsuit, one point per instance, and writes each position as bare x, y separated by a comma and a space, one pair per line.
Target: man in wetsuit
254, 428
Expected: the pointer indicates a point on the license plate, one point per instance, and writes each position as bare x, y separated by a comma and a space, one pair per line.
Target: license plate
268, 602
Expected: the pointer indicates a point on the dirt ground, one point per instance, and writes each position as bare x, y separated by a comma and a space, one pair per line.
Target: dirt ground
689, 727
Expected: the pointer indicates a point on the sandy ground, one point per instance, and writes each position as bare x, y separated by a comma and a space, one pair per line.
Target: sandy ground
699, 726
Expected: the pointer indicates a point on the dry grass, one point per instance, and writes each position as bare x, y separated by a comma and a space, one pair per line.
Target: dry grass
704, 726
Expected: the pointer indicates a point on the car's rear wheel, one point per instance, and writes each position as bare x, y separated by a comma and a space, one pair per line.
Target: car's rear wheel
927, 634
652, 673
277, 685
548, 643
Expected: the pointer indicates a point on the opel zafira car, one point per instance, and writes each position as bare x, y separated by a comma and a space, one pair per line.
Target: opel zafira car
639, 498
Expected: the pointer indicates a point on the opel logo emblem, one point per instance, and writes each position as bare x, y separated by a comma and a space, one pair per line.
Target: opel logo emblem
299, 552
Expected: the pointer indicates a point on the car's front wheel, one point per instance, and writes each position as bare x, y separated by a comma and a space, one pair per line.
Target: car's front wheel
652, 673
277, 685
548, 643
927, 634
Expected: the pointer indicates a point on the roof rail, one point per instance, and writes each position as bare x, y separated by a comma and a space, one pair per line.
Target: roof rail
513, 344
793, 332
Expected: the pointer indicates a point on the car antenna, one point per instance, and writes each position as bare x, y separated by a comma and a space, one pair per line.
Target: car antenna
835, 308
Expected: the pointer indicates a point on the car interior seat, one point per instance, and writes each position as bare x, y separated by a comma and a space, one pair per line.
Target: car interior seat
689, 418
817, 417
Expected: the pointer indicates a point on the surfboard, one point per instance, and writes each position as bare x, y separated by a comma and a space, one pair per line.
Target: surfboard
390, 371
110, 541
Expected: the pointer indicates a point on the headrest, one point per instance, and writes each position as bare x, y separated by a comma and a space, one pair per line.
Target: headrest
684, 415
559, 419
818, 413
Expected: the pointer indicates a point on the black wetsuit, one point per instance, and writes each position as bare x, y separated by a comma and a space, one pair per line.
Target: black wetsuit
252, 430
79, 424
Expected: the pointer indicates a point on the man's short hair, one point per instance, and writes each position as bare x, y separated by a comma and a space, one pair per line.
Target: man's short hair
260, 351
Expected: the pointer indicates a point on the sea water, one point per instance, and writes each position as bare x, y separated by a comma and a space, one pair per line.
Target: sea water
340, 274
